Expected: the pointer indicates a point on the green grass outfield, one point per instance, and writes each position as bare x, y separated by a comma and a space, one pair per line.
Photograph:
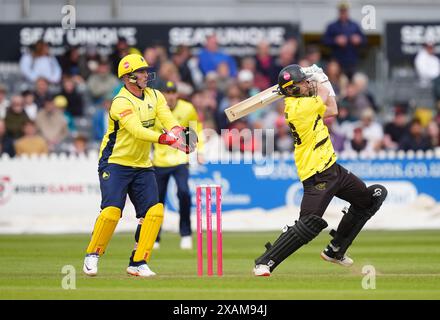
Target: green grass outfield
407, 266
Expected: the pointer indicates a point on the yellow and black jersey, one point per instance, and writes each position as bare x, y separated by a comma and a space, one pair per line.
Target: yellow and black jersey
130, 129
313, 149
165, 156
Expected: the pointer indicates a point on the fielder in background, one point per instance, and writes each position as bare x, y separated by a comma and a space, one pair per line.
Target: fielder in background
309, 98
125, 166
168, 162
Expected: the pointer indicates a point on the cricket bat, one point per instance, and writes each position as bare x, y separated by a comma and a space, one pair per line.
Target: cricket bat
253, 103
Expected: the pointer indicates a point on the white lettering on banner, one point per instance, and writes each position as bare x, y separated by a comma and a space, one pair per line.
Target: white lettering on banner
281, 171
57, 189
227, 36
399, 193
413, 37
434, 170
54, 36
416, 169
216, 178
393, 170
94, 36
81, 36
390, 170
9, 190
29, 36
411, 34
419, 34
228, 197
129, 34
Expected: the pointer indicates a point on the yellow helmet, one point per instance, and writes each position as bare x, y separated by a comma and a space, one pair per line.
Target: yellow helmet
131, 63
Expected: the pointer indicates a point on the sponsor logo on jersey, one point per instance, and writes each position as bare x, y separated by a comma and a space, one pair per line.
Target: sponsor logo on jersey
148, 123
125, 113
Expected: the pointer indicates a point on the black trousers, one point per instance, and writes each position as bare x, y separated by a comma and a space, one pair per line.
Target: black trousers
337, 181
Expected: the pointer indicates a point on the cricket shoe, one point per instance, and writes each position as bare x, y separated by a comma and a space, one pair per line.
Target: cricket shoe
141, 270
329, 255
90, 267
186, 243
261, 270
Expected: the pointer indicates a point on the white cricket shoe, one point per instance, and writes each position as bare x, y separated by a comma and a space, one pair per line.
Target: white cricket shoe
186, 243
346, 261
156, 245
90, 267
140, 271
262, 270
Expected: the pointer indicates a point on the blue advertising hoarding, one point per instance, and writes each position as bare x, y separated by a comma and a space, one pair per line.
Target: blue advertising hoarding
275, 183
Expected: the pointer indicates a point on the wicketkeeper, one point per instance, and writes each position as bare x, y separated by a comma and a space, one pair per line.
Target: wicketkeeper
125, 167
309, 98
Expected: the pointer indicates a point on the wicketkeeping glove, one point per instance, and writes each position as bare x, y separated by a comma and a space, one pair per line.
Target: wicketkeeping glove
191, 138
184, 139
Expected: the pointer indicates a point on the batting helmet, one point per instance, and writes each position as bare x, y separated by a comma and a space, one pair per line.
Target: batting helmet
130, 63
289, 77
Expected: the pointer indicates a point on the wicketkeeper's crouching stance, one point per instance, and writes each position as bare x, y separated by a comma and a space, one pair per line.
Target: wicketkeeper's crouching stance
310, 99
125, 167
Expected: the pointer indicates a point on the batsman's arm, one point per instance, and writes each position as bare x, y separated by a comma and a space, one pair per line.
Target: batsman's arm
332, 107
329, 100
325, 89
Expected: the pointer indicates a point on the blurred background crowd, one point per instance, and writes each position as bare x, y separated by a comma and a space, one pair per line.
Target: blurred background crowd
61, 103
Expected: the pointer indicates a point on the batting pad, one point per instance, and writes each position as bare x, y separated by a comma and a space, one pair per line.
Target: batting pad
105, 225
149, 230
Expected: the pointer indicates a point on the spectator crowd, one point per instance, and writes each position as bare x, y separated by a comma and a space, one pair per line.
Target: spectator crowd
64, 103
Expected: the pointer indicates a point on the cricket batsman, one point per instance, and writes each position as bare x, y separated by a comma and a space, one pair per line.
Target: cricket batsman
125, 167
309, 98
173, 163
